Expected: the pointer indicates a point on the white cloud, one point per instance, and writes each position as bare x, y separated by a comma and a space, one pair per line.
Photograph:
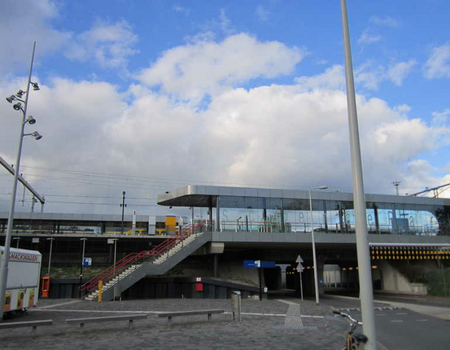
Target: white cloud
332, 78
207, 67
109, 45
262, 13
278, 135
441, 118
438, 65
398, 72
181, 9
402, 109
384, 21
367, 38
225, 23
21, 23
371, 76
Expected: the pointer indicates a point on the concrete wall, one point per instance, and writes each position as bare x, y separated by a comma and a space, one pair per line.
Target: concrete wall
394, 281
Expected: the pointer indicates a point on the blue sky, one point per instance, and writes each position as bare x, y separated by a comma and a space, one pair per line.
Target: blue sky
149, 95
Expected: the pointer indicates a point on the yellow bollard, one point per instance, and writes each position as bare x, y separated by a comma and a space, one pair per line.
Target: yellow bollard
100, 290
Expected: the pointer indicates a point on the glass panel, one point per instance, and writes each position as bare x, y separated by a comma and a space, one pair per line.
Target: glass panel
332, 212
241, 214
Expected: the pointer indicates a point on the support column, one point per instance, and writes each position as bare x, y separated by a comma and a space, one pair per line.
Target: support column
377, 220
283, 268
217, 214
216, 265
210, 226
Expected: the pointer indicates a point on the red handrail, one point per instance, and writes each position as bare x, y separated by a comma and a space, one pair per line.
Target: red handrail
132, 258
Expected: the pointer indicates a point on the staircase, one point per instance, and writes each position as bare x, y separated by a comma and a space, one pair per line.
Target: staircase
136, 266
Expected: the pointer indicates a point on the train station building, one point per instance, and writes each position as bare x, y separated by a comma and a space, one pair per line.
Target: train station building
230, 225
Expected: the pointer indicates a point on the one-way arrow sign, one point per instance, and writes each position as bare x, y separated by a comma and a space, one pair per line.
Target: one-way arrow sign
299, 261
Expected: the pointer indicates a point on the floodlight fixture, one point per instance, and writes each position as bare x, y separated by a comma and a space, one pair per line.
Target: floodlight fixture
18, 106
36, 135
35, 86
20, 93
30, 120
11, 98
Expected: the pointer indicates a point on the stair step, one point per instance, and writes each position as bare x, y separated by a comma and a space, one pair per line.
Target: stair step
157, 261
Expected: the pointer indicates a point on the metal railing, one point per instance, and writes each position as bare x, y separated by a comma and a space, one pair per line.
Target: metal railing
136, 258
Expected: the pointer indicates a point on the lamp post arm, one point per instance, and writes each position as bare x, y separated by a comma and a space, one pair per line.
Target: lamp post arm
316, 281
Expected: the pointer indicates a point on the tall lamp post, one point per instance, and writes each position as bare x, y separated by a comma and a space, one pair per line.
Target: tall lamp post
83, 249
362, 242
51, 239
123, 205
19, 105
115, 261
316, 281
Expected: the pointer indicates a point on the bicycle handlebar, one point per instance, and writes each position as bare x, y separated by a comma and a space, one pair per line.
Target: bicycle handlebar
343, 314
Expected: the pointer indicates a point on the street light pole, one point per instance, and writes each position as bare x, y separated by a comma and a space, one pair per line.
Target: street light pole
51, 239
123, 205
115, 255
82, 261
4, 264
362, 243
316, 280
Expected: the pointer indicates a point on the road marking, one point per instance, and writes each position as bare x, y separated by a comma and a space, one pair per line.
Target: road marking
293, 317
158, 312
98, 311
287, 302
380, 314
260, 314
375, 308
401, 313
424, 320
396, 320
55, 305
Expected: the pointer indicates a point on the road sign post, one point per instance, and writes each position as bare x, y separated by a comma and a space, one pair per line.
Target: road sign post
300, 270
260, 265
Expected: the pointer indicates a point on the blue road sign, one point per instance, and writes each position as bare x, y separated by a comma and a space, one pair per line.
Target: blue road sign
254, 264
87, 262
268, 264
251, 264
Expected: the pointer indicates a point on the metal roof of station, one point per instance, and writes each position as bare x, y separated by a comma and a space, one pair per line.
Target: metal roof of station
200, 196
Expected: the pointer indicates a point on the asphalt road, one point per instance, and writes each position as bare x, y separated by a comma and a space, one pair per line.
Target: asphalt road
400, 327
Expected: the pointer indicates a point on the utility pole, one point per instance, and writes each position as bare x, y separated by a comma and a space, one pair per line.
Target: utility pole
123, 205
396, 184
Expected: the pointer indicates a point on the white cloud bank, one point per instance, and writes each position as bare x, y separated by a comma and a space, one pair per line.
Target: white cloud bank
109, 45
279, 136
438, 64
207, 67
367, 75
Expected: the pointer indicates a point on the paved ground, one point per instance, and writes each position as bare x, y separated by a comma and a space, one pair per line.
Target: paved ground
267, 324
286, 323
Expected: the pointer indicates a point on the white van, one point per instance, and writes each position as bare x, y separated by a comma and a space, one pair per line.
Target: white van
22, 286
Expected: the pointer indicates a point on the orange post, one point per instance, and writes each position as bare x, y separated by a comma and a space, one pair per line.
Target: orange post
45, 286
100, 290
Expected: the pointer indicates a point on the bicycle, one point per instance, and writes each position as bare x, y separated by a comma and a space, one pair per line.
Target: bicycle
353, 339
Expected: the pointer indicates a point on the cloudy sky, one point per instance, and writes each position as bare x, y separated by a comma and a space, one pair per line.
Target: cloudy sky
145, 96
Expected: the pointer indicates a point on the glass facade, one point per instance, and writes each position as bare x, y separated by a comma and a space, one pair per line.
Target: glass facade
259, 214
